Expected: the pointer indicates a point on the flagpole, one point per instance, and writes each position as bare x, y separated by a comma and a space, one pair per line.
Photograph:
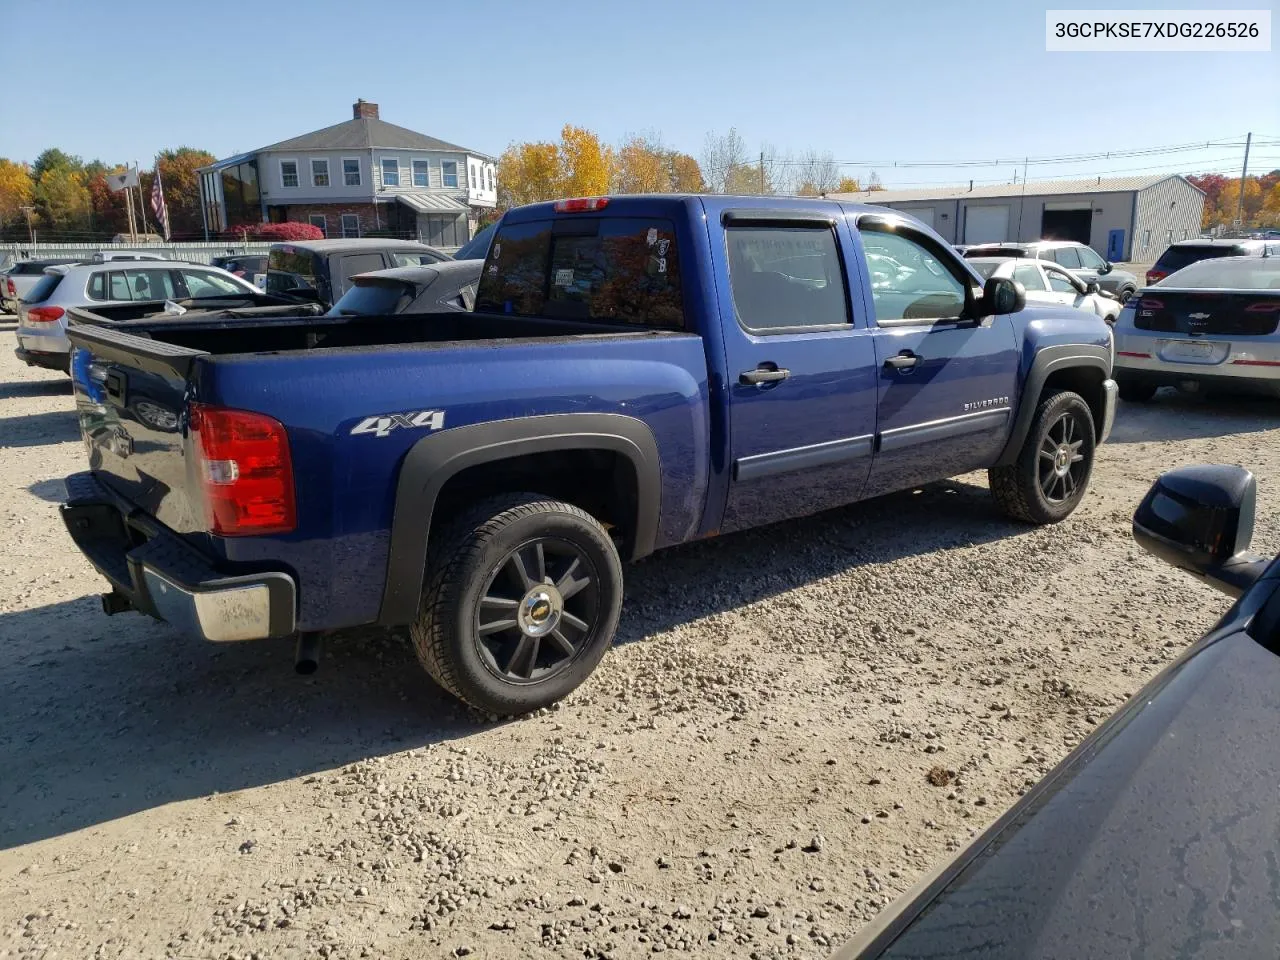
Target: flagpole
142, 207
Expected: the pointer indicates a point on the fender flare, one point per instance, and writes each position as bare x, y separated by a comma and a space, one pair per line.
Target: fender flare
433, 460
1049, 360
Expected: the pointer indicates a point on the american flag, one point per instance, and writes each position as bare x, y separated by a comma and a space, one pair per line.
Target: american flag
157, 204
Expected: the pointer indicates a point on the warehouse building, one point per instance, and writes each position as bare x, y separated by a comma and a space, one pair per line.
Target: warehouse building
1122, 218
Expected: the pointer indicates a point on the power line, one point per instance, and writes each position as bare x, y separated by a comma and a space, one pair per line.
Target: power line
1066, 158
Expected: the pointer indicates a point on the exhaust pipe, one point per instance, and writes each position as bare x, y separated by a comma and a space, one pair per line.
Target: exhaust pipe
115, 602
306, 659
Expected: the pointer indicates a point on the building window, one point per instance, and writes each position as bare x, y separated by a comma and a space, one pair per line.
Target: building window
449, 172
319, 173
390, 172
318, 220
288, 173
472, 172
350, 225
490, 172
351, 171
421, 173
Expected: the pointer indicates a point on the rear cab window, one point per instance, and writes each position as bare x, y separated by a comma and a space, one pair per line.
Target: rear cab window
288, 268
1176, 257
610, 269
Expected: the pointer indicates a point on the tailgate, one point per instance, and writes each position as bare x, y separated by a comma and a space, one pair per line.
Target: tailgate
130, 399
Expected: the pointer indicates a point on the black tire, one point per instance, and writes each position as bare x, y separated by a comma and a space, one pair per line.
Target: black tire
1049, 478
1126, 293
1135, 391
518, 557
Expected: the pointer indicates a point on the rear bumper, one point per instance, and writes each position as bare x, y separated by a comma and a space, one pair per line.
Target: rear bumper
1261, 380
159, 574
40, 358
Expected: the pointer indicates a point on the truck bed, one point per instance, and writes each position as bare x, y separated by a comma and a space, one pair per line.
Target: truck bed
223, 335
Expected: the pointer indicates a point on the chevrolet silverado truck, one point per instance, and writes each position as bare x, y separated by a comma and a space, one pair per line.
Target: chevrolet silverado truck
639, 372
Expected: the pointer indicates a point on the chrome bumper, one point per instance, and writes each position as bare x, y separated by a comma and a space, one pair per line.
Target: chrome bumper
1110, 392
153, 571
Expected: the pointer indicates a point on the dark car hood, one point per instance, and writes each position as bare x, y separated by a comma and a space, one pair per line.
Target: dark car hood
1158, 838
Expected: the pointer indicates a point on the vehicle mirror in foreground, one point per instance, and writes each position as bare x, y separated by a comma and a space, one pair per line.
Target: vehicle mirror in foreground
1001, 295
1200, 519
1106, 268
1092, 287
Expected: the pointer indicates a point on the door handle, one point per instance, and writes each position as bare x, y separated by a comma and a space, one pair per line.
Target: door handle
903, 361
765, 373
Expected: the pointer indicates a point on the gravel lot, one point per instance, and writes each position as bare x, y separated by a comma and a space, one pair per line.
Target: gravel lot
747, 775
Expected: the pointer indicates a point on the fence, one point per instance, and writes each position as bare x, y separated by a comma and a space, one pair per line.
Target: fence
191, 252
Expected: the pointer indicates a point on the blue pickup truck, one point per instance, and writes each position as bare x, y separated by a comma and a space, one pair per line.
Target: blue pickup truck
639, 372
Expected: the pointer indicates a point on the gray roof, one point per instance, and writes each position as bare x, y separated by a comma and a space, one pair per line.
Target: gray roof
1033, 188
365, 133
355, 244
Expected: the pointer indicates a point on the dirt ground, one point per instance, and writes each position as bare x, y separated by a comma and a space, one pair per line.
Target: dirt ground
745, 776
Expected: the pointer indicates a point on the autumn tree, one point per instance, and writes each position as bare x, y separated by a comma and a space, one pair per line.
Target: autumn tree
181, 186
815, 174
527, 173
643, 164
848, 185
16, 188
584, 163
62, 199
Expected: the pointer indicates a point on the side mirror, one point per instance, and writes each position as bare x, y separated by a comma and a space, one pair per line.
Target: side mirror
1000, 295
1092, 287
1106, 268
1200, 519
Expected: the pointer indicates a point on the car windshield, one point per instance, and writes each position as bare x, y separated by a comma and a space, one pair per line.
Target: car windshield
372, 298
1236, 273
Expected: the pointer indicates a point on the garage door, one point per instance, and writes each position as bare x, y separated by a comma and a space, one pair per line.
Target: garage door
986, 224
923, 214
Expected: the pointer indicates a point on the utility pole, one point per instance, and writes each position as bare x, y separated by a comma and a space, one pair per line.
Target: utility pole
1022, 201
31, 235
1244, 173
762, 173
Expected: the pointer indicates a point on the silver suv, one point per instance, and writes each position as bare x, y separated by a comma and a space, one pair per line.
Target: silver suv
1079, 259
42, 313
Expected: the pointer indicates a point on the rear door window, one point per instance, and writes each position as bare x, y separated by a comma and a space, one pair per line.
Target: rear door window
1067, 257
356, 263
611, 269
150, 284
786, 277
118, 286
1029, 276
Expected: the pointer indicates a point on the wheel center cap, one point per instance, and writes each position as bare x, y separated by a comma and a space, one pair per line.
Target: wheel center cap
1062, 462
540, 610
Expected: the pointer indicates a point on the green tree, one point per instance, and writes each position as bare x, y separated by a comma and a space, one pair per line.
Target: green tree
63, 200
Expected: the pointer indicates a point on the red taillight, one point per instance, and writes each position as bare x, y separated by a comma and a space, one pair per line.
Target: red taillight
1153, 276
1130, 353
13, 291
1263, 307
581, 204
245, 471
44, 314
1150, 303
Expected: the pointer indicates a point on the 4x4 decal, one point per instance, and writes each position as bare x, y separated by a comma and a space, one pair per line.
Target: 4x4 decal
382, 424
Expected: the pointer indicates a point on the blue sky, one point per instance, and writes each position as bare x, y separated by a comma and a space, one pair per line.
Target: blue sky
906, 81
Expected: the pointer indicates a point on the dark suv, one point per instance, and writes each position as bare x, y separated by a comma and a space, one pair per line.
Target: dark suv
1186, 252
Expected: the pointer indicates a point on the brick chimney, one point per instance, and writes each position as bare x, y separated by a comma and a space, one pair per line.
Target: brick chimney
363, 109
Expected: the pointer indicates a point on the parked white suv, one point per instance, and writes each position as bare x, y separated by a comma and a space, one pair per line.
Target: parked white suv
42, 314
1049, 283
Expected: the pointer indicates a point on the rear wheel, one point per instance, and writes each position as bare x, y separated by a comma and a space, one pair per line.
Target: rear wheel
1135, 391
1049, 478
522, 600
1126, 293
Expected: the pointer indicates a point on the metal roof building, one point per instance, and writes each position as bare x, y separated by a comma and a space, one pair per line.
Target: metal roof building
1122, 218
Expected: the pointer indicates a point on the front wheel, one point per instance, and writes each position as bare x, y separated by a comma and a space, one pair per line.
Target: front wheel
1125, 294
1049, 478
522, 599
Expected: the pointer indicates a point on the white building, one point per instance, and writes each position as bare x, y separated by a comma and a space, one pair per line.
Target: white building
353, 178
1122, 218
